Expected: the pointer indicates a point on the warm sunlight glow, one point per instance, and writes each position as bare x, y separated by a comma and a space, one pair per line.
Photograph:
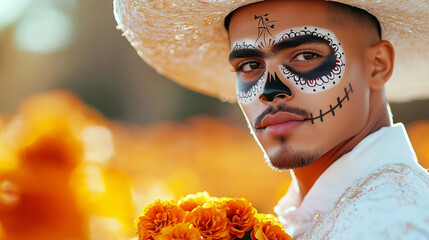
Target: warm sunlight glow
43, 30
60, 159
9, 195
98, 143
11, 10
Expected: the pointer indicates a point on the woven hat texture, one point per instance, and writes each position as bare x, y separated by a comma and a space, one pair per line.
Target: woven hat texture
186, 41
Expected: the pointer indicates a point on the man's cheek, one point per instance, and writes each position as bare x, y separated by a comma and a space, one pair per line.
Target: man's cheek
329, 111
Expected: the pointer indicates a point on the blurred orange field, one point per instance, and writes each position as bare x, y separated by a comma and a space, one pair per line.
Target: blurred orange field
67, 172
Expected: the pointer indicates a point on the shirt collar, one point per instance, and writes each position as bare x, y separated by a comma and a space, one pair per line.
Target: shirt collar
389, 145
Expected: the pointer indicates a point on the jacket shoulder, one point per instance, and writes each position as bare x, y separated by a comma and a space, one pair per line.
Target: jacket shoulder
391, 203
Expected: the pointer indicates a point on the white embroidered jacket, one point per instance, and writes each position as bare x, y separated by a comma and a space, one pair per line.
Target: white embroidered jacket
376, 191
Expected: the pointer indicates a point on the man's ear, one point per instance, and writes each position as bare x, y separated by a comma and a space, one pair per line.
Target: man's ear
381, 58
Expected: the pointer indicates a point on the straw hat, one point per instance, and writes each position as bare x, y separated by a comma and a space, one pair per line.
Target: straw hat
186, 41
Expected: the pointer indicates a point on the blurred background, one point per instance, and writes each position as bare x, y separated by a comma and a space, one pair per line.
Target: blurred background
90, 133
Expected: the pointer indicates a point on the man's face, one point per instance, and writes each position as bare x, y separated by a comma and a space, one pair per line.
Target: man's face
301, 79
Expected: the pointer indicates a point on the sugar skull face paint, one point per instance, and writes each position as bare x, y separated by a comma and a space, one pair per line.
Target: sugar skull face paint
248, 88
293, 86
319, 77
324, 76
265, 38
339, 104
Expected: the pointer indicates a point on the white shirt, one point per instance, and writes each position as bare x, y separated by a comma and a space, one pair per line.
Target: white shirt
387, 146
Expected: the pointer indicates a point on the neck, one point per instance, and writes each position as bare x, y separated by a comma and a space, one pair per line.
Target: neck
307, 176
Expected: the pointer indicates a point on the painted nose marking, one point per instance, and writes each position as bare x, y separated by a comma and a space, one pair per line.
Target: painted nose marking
275, 87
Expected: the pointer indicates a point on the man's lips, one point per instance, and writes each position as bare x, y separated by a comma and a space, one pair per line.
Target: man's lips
278, 118
280, 123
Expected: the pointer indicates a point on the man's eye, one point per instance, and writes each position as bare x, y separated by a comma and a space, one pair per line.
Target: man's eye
305, 56
249, 67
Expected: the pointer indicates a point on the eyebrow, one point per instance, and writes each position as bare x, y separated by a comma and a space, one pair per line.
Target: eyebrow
246, 53
297, 41
284, 44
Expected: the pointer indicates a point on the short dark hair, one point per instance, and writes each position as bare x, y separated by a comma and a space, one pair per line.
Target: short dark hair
228, 20
357, 14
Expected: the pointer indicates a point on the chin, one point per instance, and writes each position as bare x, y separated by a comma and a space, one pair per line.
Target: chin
286, 158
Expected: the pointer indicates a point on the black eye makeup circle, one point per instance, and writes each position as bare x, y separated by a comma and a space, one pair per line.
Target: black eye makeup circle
327, 72
246, 92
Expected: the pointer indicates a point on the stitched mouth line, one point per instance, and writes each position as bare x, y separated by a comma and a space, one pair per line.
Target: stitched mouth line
332, 108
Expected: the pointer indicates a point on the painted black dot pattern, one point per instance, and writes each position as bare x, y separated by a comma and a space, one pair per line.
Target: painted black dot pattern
323, 82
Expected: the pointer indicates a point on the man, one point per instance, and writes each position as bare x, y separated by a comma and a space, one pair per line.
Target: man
310, 79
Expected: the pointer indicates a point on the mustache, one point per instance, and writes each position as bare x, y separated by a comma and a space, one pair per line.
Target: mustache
280, 108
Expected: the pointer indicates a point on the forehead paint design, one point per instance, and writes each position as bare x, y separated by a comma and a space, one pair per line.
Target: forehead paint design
264, 26
324, 76
246, 91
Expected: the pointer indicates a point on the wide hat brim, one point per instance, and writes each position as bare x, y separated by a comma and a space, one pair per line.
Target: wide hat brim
186, 41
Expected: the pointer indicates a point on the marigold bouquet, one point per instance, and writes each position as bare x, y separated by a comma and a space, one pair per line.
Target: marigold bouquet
200, 216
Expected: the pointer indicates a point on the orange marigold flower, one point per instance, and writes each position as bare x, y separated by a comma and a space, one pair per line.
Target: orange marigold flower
263, 217
156, 216
180, 231
211, 222
268, 228
192, 201
240, 214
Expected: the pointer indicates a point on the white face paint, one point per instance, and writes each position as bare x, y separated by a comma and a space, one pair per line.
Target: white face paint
324, 77
299, 114
246, 92
318, 79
